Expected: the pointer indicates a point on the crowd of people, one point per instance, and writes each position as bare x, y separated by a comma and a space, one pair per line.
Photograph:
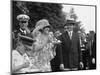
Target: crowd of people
45, 50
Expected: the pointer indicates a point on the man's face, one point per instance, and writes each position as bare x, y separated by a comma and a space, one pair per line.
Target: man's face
69, 27
23, 24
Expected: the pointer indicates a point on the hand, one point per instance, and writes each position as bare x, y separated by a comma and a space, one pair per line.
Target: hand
58, 41
26, 64
62, 66
81, 65
93, 60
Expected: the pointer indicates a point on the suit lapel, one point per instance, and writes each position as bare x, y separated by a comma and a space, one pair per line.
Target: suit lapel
72, 36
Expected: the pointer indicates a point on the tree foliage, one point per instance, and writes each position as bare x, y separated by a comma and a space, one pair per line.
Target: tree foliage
36, 11
78, 24
72, 14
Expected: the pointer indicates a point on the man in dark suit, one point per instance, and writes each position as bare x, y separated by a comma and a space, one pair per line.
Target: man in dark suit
70, 47
92, 57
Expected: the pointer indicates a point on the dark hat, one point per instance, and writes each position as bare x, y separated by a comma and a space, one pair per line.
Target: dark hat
69, 22
48, 26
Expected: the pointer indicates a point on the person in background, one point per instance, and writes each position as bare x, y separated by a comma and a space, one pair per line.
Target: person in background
91, 47
84, 52
94, 53
55, 62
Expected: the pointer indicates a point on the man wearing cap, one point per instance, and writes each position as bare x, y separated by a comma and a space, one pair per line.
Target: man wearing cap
18, 63
23, 30
70, 47
23, 23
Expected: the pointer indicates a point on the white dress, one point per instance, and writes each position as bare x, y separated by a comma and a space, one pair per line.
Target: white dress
40, 61
18, 60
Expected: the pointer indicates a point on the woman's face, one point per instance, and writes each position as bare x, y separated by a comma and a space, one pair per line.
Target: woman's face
46, 30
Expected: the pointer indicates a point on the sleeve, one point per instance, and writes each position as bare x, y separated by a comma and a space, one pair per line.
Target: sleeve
79, 50
17, 59
59, 48
94, 48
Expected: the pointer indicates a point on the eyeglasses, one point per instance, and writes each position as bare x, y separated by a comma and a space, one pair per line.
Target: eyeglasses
23, 21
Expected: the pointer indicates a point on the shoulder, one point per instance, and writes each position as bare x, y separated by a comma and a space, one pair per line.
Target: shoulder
63, 34
76, 35
15, 52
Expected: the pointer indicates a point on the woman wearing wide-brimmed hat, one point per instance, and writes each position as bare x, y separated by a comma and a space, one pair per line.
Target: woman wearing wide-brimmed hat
42, 51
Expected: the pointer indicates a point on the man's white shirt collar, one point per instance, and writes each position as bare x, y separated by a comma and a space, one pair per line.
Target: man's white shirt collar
24, 31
